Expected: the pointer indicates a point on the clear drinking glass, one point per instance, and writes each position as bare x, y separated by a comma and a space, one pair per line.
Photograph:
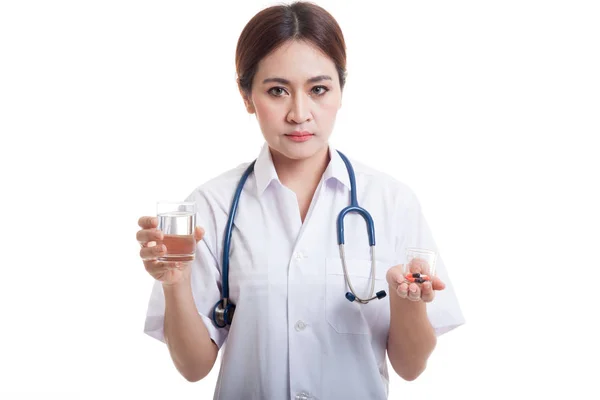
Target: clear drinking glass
423, 265
177, 221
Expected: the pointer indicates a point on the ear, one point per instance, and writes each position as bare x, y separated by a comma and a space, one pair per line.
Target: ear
248, 102
249, 106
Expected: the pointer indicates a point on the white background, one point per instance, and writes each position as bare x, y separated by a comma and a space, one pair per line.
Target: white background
488, 110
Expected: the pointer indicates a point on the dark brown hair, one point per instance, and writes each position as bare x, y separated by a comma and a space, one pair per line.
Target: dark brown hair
274, 26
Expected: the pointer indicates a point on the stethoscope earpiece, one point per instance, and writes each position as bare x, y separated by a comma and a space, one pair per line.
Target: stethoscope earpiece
379, 295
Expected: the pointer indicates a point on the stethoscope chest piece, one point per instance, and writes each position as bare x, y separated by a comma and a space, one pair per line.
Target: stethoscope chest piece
223, 313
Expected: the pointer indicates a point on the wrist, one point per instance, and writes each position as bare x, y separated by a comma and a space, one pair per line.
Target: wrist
183, 283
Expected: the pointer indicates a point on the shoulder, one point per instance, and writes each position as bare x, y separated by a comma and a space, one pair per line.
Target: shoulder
213, 201
219, 190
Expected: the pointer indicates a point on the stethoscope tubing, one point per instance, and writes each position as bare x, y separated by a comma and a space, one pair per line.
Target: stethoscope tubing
224, 315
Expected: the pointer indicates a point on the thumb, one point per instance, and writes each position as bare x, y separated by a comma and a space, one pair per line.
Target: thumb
199, 233
437, 283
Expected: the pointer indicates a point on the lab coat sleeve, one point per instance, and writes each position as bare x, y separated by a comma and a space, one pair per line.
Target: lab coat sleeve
205, 280
444, 311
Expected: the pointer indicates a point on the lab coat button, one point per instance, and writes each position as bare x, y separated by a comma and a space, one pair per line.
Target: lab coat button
300, 325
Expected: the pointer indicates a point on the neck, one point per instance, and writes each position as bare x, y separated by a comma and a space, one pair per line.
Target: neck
301, 174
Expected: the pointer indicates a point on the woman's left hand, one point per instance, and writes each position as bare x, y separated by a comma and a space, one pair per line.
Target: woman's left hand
413, 291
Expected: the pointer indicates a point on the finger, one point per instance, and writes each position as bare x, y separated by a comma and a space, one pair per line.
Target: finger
394, 276
148, 222
414, 292
437, 283
425, 268
152, 253
147, 235
415, 266
199, 233
427, 292
157, 268
402, 290
154, 266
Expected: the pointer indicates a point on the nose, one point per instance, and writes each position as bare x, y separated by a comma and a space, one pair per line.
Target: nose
300, 110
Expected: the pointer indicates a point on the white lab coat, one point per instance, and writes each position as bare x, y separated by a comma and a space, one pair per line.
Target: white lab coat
294, 334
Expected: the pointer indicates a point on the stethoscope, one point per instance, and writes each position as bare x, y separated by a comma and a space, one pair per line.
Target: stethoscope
223, 311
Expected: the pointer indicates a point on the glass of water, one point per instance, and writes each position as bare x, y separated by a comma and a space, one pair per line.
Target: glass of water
177, 221
420, 264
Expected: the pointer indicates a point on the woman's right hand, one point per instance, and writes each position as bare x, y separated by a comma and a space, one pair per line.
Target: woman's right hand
150, 238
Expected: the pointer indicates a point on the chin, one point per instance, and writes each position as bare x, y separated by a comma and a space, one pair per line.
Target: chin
300, 151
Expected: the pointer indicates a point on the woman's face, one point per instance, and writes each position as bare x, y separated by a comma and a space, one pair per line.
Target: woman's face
296, 95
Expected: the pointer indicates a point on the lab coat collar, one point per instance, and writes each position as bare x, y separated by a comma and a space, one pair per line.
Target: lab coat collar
265, 172
336, 168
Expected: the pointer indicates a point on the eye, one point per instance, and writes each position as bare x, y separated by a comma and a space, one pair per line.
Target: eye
276, 91
320, 93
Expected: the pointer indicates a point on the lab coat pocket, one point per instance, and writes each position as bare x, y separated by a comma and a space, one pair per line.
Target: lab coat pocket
353, 317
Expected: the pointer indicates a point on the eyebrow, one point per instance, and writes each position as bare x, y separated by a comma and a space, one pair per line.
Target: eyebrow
311, 80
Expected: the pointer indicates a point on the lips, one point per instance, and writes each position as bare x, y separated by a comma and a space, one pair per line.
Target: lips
299, 133
299, 136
